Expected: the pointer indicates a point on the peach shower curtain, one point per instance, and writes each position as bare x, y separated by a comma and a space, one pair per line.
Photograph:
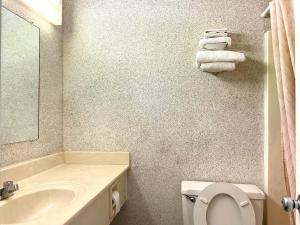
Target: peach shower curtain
283, 36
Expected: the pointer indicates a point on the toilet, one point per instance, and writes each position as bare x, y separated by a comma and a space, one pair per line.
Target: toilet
209, 203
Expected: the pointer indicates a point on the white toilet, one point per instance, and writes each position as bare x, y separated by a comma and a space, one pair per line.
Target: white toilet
208, 203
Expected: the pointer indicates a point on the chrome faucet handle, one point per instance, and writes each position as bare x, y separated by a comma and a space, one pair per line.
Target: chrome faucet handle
8, 189
9, 186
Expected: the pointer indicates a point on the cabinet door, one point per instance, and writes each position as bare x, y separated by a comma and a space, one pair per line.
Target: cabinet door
97, 213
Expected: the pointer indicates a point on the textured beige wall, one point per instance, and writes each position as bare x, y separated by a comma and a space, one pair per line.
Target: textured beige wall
130, 84
50, 108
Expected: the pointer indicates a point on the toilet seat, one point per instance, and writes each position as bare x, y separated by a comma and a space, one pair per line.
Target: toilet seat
237, 197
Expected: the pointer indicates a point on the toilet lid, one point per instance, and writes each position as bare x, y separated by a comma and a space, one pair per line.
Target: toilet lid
225, 204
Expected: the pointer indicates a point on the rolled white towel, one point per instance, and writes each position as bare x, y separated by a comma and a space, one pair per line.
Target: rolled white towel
216, 43
217, 67
219, 56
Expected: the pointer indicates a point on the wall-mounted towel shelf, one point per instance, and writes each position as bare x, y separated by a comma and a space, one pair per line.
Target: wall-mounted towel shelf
212, 57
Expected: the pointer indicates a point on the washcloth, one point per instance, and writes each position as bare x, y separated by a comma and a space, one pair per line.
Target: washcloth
217, 43
219, 56
220, 30
217, 67
211, 33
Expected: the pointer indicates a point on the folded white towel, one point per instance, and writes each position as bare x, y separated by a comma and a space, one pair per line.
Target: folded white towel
219, 56
212, 35
217, 67
216, 43
220, 30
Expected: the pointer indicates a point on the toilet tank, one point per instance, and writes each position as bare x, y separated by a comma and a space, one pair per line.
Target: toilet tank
191, 189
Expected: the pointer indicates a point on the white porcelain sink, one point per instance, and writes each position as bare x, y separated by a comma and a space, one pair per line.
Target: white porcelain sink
31, 206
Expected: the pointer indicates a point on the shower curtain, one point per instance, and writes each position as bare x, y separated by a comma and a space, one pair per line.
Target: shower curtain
283, 36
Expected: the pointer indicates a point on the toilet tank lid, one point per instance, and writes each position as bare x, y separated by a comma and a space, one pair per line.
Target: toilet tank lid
196, 187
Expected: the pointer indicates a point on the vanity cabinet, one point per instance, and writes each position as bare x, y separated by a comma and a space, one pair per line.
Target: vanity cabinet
101, 211
67, 188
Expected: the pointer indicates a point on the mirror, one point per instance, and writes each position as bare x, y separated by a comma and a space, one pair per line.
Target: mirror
20, 68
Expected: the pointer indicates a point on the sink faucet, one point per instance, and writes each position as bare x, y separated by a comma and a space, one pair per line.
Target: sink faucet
8, 189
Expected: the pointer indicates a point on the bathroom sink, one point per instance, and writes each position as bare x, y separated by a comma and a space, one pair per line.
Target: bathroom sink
31, 206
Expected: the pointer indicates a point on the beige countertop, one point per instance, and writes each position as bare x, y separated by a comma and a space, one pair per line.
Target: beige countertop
87, 182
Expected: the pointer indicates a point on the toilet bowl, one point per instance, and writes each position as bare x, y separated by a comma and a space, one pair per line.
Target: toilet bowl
208, 203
